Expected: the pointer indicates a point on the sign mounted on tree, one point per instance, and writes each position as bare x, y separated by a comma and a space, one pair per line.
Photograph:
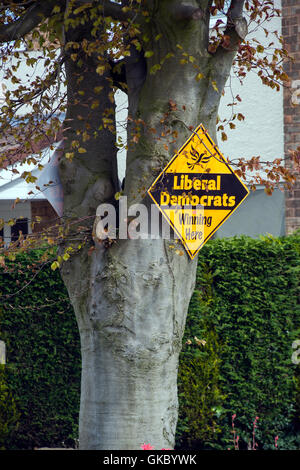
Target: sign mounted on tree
197, 191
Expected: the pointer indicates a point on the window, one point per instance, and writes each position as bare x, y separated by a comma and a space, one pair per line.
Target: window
21, 225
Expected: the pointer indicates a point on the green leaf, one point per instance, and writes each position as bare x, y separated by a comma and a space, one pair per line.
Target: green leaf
148, 54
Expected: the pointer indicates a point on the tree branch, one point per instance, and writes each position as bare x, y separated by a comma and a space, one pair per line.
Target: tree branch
116, 11
236, 24
223, 57
118, 74
27, 22
187, 12
236, 29
236, 9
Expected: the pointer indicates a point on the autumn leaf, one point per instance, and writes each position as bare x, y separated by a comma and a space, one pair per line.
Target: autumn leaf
69, 155
148, 54
214, 85
54, 265
173, 105
100, 69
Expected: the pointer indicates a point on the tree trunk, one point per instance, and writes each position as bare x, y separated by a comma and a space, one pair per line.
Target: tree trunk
131, 299
131, 305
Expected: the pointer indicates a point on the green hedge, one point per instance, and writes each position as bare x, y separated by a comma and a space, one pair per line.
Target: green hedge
43, 354
9, 415
236, 359
246, 308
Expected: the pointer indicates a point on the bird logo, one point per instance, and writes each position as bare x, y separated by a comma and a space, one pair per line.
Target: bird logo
197, 158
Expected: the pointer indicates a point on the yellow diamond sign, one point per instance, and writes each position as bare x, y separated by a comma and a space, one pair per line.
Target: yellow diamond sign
197, 191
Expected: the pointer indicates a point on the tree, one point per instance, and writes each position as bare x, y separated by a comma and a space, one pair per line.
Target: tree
130, 296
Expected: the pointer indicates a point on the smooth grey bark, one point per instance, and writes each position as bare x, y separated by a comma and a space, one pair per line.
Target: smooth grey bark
131, 310
131, 299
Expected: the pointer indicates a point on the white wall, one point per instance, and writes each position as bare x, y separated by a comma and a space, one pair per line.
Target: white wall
25, 72
262, 131
261, 134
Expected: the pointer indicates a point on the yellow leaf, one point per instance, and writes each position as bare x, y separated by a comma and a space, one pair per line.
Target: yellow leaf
81, 150
54, 265
214, 85
148, 54
82, 8
199, 76
56, 9
95, 104
100, 69
118, 195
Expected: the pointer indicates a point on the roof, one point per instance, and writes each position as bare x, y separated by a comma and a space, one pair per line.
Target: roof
13, 186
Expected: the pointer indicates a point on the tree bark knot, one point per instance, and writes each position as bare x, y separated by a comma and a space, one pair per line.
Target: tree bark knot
241, 27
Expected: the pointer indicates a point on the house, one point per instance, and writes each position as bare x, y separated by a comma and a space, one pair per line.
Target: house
35, 209
271, 129
291, 105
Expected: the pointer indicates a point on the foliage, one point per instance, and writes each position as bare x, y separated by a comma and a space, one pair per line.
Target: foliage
247, 294
102, 39
236, 359
198, 378
8, 412
43, 354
